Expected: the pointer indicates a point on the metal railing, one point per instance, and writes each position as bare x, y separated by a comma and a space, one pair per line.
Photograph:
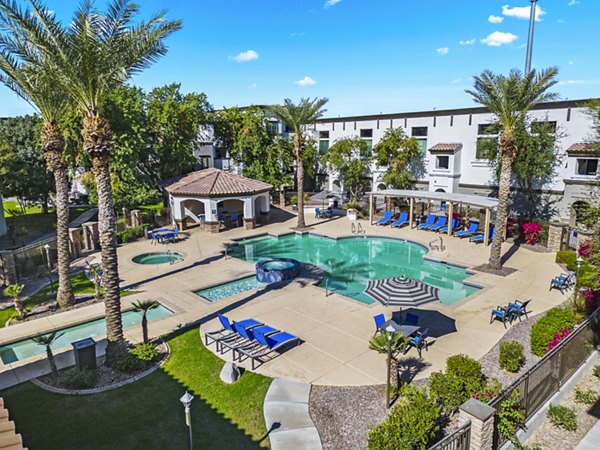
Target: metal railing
459, 440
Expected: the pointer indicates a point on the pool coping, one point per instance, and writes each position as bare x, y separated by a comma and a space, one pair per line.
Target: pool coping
183, 254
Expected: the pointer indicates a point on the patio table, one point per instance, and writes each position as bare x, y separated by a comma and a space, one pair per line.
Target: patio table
406, 330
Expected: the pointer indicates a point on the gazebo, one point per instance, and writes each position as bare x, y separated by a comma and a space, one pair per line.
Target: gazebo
212, 197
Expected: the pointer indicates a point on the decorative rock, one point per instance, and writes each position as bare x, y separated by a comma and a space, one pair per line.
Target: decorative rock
230, 373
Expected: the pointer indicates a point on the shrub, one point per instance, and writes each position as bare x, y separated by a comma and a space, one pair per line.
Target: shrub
557, 338
563, 417
491, 390
130, 234
585, 250
145, 352
588, 397
597, 371
531, 232
510, 418
542, 332
568, 258
80, 379
467, 369
448, 391
412, 424
511, 356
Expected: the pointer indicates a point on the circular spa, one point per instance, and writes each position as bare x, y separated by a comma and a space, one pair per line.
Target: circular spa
277, 270
158, 258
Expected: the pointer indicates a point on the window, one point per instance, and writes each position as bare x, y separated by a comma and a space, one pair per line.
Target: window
323, 146
419, 131
272, 128
421, 134
587, 166
366, 133
366, 153
486, 148
537, 127
487, 129
323, 134
442, 162
204, 162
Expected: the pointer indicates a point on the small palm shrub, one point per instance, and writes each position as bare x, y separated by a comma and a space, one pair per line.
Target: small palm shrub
563, 417
511, 356
80, 379
588, 397
597, 371
412, 424
554, 321
145, 352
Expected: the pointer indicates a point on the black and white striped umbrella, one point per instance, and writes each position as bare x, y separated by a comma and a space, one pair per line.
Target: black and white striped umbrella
400, 291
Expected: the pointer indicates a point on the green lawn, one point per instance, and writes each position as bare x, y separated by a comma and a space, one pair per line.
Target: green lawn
147, 414
154, 206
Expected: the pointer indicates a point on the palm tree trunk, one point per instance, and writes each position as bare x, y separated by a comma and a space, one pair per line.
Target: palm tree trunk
394, 379
51, 360
300, 181
502, 212
145, 328
53, 144
97, 142
19, 307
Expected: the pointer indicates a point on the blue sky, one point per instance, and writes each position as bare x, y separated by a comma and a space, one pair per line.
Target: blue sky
366, 56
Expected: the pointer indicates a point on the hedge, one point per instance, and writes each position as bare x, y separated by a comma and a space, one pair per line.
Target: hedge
543, 330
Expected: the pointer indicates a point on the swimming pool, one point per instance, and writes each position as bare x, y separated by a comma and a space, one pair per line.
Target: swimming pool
26, 348
221, 291
158, 258
349, 263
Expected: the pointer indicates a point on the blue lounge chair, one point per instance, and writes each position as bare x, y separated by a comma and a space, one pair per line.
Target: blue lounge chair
227, 332
502, 314
518, 309
176, 231
328, 212
430, 220
402, 220
379, 321
411, 319
419, 341
268, 344
468, 232
162, 230
386, 219
479, 237
441, 223
562, 282
455, 223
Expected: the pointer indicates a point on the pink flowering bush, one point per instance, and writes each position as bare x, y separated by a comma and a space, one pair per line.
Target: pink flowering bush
531, 232
585, 250
557, 338
592, 299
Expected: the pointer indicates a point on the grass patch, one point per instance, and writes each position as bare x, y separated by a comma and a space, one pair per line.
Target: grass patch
147, 414
153, 207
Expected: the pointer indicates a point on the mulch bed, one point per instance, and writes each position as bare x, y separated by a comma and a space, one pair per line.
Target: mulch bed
50, 307
502, 272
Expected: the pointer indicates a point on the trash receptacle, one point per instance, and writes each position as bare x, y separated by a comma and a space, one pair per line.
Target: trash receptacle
85, 353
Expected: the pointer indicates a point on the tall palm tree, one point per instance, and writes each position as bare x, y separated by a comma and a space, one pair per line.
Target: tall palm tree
47, 340
145, 306
297, 117
34, 83
509, 98
96, 53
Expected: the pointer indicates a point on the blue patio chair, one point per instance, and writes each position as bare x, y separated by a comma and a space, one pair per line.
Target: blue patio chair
170, 237
386, 219
479, 237
428, 222
441, 223
379, 321
562, 282
221, 218
162, 230
502, 314
235, 220
317, 213
328, 212
454, 225
420, 341
176, 231
154, 238
268, 344
227, 332
402, 220
411, 319
518, 309
468, 232
203, 217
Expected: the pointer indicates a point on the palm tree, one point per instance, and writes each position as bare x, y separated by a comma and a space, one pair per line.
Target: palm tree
380, 344
509, 98
144, 306
47, 340
96, 53
297, 117
34, 83
14, 291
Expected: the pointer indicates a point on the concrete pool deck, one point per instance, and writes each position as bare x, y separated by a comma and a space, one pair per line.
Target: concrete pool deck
335, 330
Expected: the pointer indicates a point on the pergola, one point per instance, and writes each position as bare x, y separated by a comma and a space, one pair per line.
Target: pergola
209, 195
451, 200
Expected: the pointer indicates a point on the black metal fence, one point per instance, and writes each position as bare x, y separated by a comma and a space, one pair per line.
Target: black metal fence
459, 440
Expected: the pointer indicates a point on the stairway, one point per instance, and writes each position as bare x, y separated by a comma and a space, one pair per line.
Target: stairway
9, 439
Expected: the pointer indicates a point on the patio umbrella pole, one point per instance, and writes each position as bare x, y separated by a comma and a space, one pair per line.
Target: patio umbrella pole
389, 369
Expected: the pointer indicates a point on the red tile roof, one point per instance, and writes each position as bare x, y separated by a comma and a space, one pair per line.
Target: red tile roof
446, 148
582, 148
214, 183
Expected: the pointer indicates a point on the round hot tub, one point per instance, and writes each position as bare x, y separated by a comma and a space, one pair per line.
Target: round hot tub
277, 270
158, 258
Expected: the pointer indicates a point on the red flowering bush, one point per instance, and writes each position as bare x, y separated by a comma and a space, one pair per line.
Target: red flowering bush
531, 232
585, 250
592, 300
557, 338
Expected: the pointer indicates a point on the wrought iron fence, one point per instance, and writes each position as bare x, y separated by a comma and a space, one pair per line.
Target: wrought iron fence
542, 381
33, 259
459, 440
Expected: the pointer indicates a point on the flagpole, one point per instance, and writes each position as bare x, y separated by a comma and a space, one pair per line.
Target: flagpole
530, 39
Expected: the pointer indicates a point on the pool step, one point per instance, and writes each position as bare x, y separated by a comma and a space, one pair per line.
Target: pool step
9, 439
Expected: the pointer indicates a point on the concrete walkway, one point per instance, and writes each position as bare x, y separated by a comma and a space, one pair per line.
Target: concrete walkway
288, 420
591, 441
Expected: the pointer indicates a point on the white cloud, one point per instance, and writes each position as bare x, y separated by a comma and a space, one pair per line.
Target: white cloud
560, 20
329, 3
248, 55
498, 38
573, 82
522, 12
495, 19
252, 86
571, 63
573, 3
467, 42
442, 50
306, 81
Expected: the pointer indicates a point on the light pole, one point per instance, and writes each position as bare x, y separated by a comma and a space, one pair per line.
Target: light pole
49, 265
186, 400
390, 335
530, 38
579, 261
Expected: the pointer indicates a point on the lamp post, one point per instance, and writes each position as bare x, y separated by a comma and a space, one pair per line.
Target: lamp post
48, 260
579, 261
390, 335
530, 38
186, 400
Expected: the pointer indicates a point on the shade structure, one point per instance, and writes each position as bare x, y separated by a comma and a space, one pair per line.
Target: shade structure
400, 291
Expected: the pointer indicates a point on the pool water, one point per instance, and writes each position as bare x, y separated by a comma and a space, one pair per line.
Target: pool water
225, 290
157, 258
349, 263
26, 348
278, 265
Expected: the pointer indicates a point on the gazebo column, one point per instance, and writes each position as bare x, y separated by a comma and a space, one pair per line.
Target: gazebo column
486, 227
450, 217
372, 199
211, 224
177, 212
249, 214
411, 211
265, 208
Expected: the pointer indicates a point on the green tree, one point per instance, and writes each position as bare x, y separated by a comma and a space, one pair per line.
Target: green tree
145, 306
381, 344
351, 157
509, 98
47, 340
96, 53
402, 157
14, 291
297, 117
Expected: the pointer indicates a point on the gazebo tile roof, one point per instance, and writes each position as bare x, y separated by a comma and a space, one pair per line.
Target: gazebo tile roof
213, 183
445, 148
582, 148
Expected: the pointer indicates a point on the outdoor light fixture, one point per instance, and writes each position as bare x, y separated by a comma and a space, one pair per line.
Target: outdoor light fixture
390, 334
186, 400
579, 261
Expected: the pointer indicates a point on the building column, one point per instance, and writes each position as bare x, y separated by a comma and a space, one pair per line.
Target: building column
556, 234
135, 218
481, 417
450, 217
75, 242
372, 199
486, 227
211, 224
411, 212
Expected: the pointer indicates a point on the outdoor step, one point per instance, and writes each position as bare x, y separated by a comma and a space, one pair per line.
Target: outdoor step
9, 439
7, 426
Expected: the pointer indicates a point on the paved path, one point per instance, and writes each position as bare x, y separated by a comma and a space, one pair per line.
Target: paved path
287, 417
591, 441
